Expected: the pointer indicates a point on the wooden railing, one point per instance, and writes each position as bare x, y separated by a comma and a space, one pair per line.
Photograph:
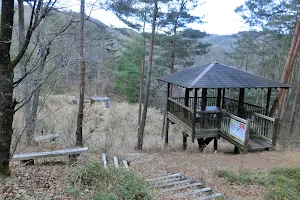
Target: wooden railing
208, 120
231, 105
265, 127
211, 101
229, 130
181, 112
249, 112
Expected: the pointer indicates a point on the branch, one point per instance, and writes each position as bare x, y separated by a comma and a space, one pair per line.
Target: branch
35, 19
63, 29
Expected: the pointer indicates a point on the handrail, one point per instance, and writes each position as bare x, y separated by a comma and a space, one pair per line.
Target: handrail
234, 116
183, 106
255, 109
209, 111
265, 117
244, 102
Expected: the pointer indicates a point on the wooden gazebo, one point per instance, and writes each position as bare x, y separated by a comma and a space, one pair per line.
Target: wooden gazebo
206, 118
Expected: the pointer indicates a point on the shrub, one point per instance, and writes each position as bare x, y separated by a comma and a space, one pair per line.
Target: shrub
107, 184
281, 183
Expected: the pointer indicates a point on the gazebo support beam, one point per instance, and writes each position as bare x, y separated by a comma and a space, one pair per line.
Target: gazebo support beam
223, 98
167, 121
202, 121
194, 115
268, 100
186, 100
241, 110
219, 98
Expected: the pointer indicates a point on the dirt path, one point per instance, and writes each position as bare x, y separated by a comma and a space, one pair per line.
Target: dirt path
203, 166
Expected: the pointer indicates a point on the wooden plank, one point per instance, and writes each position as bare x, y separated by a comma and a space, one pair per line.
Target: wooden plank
174, 183
125, 163
181, 187
49, 154
213, 196
116, 162
192, 192
104, 160
46, 137
164, 177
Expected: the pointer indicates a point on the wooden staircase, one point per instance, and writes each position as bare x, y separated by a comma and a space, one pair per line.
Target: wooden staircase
256, 143
175, 186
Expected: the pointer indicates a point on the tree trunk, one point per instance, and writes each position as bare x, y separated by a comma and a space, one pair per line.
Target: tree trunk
36, 94
79, 141
146, 100
296, 102
25, 86
173, 51
142, 78
280, 100
6, 86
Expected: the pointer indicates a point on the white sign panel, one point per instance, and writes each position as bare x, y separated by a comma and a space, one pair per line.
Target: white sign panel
237, 129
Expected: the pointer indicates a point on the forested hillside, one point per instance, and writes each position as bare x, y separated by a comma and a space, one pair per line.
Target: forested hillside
84, 107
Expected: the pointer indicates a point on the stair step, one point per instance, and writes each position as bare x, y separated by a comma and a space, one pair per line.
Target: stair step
163, 177
215, 195
165, 181
192, 192
181, 187
173, 183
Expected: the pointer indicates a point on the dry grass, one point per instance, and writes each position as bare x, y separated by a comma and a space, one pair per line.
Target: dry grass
114, 130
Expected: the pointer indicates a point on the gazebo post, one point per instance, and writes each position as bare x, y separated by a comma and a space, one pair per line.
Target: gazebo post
241, 110
268, 101
186, 100
223, 98
194, 115
202, 121
168, 121
219, 98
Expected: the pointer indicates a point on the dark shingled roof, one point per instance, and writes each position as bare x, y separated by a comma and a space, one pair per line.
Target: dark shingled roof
216, 75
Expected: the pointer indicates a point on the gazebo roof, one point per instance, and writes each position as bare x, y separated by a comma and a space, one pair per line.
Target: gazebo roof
216, 75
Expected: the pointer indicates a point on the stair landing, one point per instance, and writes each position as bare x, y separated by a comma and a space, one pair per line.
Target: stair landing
257, 144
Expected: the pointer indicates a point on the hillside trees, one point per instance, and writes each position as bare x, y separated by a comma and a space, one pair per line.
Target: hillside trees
129, 68
134, 14
132, 9
275, 22
175, 21
7, 108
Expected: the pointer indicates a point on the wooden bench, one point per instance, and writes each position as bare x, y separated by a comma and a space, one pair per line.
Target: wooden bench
29, 158
50, 137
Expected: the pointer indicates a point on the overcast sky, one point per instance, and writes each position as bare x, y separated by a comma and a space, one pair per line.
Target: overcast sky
220, 17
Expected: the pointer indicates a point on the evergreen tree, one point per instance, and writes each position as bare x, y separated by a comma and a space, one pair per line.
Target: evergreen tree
128, 70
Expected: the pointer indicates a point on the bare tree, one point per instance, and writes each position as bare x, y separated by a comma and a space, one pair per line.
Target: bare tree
8, 102
82, 77
148, 82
